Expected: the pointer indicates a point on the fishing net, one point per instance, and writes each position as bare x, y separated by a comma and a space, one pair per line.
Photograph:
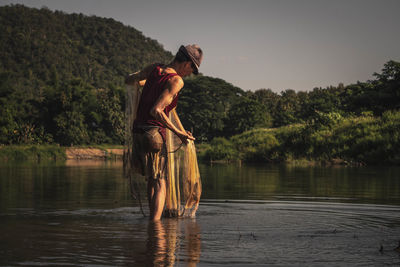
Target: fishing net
183, 176
184, 183
137, 182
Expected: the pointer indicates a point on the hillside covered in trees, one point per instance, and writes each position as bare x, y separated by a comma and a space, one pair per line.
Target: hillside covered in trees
61, 81
61, 75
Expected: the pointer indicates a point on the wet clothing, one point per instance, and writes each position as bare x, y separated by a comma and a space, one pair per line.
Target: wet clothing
149, 153
149, 135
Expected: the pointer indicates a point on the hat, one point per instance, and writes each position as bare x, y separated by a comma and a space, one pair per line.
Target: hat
195, 54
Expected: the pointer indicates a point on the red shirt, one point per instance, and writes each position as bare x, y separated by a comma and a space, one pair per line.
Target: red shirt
154, 86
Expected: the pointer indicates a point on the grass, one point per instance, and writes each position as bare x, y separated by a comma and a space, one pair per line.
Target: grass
45, 152
32, 153
363, 140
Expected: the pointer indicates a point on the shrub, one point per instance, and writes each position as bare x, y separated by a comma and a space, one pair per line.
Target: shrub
221, 149
256, 145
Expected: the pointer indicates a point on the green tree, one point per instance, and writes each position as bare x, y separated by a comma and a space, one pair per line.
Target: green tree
246, 114
288, 107
203, 105
70, 127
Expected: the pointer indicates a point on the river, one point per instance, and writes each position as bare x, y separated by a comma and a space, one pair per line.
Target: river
81, 214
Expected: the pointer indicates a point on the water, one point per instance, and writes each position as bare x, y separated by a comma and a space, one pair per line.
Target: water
82, 214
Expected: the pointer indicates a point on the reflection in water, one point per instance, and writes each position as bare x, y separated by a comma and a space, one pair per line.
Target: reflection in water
164, 242
285, 182
92, 163
83, 215
192, 236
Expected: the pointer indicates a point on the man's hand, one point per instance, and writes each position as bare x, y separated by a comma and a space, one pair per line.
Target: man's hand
185, 137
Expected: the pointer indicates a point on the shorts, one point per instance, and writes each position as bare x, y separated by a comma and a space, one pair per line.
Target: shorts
149, 153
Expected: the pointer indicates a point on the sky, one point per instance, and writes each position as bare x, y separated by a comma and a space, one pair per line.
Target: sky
254, 44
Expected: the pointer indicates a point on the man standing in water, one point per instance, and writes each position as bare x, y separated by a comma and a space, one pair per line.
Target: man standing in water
162, 83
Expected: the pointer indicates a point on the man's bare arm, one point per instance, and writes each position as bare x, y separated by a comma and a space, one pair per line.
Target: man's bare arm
173, 86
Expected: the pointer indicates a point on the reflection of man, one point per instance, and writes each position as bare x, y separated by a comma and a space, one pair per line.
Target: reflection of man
162, 84
163, 244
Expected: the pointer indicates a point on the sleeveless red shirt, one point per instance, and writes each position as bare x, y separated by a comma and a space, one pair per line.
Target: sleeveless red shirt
154, 86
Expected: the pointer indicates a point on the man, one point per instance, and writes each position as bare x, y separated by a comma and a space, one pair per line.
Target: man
162, 83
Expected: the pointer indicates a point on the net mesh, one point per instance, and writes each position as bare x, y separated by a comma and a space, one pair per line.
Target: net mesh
137, 182
184, 183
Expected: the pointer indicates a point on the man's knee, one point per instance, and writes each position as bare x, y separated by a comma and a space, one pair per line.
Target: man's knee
156, 183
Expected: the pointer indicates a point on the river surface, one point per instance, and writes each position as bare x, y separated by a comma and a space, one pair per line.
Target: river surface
81, 214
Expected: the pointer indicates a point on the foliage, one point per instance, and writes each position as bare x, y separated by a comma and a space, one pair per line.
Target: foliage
256, 145
61, 82
246, 114
204, 104
32, 152
321, 119
361, 140
61, 76
220, 149
54, 46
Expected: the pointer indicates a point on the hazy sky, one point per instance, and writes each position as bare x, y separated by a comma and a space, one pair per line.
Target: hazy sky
299, 44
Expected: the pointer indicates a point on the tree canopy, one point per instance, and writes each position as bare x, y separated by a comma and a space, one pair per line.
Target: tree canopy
61, 81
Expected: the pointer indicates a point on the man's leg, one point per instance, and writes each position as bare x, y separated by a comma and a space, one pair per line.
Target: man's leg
158, 198
150, 194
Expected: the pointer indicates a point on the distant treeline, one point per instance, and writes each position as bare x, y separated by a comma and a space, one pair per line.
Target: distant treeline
61, 75
333, 139
61, 82
214, 108
354, 124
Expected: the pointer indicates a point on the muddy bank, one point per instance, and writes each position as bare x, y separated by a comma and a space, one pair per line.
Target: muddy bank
93, 153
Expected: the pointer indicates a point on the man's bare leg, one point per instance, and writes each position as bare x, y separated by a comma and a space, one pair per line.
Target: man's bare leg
150, 194
157, 194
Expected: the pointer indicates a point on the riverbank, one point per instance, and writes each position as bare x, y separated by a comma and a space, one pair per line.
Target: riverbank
91, 153
330, 140
38, 153
58, 153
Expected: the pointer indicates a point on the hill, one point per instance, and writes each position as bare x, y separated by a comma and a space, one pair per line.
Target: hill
61, 82
61, 79
40, 48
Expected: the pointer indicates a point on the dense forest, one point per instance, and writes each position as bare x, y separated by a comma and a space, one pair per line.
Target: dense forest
61, 82
61, 75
